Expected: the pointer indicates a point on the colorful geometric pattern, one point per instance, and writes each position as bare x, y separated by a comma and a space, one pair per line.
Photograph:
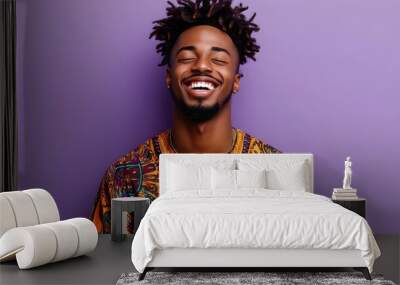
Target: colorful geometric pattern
136, 173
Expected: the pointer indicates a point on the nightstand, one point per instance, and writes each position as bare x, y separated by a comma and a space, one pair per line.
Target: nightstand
138, 205
357, 206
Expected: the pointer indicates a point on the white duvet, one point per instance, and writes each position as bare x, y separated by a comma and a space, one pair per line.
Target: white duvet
250, 218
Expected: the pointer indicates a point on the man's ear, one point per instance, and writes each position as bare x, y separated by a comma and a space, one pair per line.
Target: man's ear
236, 82
168, 78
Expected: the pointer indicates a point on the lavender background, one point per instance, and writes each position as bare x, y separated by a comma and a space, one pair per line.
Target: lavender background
326, 81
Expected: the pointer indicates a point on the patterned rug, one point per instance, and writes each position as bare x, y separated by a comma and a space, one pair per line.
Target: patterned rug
244, 278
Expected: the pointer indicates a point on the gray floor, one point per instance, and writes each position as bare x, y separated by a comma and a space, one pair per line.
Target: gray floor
389, 262
110, 260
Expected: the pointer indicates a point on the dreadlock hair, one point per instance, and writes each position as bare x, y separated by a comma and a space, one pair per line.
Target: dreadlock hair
216, 13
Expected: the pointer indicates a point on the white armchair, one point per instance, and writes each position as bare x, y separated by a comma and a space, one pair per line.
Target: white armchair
31, 230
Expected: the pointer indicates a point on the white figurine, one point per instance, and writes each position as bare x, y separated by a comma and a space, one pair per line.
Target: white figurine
347, 174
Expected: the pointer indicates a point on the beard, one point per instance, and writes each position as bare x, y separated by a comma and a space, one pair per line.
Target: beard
199, 114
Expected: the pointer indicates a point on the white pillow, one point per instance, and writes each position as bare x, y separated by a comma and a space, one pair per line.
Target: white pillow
199, 161
223, 179
288, 179
281, 174
181, 177
235, 179
251, 178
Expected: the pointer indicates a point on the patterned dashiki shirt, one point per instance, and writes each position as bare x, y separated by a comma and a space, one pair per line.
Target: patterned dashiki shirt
136, 174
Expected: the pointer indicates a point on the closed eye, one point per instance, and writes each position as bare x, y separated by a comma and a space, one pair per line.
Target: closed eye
185, 59
218, 61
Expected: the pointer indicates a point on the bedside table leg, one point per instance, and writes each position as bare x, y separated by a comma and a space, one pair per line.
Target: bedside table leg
116, 221
139, 212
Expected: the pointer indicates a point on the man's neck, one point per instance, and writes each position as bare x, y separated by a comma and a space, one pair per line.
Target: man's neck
213, 136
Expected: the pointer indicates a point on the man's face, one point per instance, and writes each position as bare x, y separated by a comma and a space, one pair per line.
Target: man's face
202, 72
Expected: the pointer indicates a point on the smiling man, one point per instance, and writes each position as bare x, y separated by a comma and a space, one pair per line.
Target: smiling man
202, 43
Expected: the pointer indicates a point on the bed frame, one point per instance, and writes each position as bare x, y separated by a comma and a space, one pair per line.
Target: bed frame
249, 259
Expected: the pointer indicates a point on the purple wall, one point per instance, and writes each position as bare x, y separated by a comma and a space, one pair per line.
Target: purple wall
326, 81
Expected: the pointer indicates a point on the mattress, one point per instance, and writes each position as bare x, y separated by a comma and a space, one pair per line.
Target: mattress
251, 219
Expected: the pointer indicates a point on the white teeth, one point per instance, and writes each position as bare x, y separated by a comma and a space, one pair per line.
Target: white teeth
203, 84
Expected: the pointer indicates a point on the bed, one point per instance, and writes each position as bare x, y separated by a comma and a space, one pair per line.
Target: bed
247, 211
